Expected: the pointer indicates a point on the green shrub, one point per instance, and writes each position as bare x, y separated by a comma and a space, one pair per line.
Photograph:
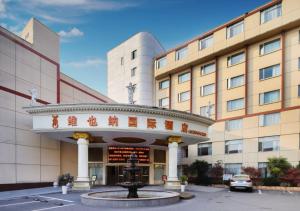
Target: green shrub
64, 179
271, 181
278, 166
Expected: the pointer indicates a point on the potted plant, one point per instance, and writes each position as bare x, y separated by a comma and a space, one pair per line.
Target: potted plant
183, 182
64, 181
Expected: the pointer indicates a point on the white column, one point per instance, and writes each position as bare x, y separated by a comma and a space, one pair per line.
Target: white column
173, 147
83, 168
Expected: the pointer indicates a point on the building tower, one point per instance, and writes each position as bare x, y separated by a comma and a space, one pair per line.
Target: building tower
132, 62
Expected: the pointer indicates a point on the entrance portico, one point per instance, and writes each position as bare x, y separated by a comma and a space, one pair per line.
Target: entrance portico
120, 125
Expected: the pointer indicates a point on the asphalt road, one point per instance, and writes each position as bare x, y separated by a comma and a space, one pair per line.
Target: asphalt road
206, 198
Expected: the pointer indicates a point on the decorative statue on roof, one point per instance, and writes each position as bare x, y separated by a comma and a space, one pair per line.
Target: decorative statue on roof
33, 93
131, 88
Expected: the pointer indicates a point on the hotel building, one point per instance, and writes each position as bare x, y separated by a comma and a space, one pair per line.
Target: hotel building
245, 75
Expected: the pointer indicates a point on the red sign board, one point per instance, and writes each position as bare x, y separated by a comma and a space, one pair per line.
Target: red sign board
121, 154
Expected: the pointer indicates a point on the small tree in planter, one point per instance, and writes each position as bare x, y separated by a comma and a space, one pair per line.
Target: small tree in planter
253, 173
199, 168
292, 177
183, 182
277, 166
216, 173
65, 179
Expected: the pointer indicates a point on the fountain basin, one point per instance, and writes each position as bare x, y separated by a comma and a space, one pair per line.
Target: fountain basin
118, 198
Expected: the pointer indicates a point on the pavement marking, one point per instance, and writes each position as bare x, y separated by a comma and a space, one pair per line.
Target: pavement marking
49, 208
53, 198
14, 204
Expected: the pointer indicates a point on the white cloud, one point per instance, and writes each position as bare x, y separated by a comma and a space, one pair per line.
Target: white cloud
88, 63
74, 32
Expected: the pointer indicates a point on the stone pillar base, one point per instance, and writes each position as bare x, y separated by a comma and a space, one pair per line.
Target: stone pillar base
172, 185
81, 185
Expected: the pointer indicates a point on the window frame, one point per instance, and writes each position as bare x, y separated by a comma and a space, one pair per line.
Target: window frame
267, 68
207, 85
212, 113
180, 75
268, 10
240, 149
133, 54
228, 34
206, 65
264, 139
229, 83
161, 82
205, 39
262, 47
228, 128
264, 103
177, 53
179, 95
229, 59
133, 70
161, 100
209, 150
158, 62
237, 108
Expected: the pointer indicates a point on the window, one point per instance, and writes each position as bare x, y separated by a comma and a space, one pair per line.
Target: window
270, 13
161, 62
163, 102
269, 47
181, 53
184, 77
133, 54
122, 61
164, 84
263, 169
204, 149
269, 119
133, 71
269, 72
183, 96
236, 59
205, 111
235, 81
299, 63
95, 154
208, 68
206, 42
298, 90
235, 29
235, 104
236, 124
159, 156
270, 143
269, 97
207, 89
233, 168
185, 152
233, 146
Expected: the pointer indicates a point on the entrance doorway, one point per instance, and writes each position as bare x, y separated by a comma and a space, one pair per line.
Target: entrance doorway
115, 174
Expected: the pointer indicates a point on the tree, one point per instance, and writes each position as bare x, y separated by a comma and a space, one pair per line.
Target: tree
199, 168
253, 173
216, 173
278, 166
291, 176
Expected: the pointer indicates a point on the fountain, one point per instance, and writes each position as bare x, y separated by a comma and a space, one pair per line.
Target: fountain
133, 184
130, 198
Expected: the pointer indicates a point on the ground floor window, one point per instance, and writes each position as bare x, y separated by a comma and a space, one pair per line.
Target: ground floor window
263, 169
96, 172
159, 171
233, 168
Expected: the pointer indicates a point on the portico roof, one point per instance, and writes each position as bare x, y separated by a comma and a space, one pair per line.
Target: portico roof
118, 123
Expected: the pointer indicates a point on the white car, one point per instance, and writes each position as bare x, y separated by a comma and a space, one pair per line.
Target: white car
241, 181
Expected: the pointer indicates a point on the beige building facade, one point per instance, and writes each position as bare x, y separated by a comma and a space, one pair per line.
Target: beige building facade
245, 75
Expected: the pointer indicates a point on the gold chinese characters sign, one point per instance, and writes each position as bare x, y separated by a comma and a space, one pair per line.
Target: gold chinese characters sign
113, 121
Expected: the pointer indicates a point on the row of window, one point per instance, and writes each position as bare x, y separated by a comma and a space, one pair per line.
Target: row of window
236, 168
133, 56
265, 144
231, 31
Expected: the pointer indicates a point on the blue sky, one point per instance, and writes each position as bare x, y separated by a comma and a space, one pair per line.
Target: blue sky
89, 28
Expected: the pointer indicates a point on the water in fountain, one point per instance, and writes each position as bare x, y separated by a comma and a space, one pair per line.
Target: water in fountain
133, 184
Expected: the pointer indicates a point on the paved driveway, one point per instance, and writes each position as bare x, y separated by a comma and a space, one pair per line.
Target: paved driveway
206, 198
